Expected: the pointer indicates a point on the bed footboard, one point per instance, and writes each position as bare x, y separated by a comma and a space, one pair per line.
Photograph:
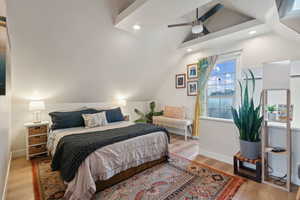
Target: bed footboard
102, 185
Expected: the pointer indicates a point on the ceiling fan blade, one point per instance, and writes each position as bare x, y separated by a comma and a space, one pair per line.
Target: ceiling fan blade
205, 30
183, 24
211, 12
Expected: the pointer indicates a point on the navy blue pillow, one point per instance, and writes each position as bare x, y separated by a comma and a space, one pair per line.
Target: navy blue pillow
71, 119
114, 115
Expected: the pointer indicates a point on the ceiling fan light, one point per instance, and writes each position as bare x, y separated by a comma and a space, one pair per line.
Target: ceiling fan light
197, 29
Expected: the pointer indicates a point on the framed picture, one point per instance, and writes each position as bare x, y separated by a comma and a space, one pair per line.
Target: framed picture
180, 81
3, 52
192, 71
192, 88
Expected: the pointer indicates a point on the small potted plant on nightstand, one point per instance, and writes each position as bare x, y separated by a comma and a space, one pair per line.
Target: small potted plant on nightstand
248, 120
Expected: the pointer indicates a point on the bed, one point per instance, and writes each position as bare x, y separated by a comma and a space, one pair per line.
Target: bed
111, 163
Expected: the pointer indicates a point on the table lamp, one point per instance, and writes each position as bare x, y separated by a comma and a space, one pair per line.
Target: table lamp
36, 107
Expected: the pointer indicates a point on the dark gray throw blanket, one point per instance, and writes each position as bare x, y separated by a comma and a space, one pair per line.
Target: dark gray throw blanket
72, 150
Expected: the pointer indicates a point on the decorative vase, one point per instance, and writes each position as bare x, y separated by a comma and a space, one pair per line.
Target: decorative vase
272, 116
250, 150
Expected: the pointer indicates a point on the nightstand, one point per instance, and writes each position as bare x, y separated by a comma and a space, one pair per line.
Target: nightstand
36, 139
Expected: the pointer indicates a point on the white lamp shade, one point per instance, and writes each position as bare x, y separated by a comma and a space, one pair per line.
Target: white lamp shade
122, 102
36, 105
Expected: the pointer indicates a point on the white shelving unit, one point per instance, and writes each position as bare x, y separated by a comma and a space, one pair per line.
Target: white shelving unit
267, 148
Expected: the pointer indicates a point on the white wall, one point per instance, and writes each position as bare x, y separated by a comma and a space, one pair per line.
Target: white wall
219, 139
69, 51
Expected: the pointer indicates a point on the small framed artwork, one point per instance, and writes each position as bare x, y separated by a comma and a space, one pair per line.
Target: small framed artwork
192, 71
180, 80
192, 88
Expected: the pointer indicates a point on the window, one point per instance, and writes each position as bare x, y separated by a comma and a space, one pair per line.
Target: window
296, 5
220, 91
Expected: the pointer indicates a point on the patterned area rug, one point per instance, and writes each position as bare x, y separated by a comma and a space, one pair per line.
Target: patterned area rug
178, 179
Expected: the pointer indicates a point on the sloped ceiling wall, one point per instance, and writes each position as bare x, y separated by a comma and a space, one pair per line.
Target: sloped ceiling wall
69, 51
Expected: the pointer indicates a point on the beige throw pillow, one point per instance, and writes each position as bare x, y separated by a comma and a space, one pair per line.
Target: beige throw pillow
94, 120
174, 112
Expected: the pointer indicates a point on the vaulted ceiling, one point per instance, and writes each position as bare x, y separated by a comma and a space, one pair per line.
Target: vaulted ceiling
87, 51
235, 12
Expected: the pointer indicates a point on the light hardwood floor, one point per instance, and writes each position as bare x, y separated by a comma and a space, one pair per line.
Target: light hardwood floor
20, 179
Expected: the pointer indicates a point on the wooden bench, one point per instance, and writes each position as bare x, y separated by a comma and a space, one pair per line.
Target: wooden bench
174, 117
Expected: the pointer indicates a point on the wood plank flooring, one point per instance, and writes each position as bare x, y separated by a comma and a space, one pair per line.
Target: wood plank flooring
20, 185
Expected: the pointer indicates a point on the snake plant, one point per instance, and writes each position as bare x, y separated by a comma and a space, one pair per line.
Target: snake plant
147, 118
247, 117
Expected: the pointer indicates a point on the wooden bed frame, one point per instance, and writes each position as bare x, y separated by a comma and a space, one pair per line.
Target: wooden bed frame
102, 185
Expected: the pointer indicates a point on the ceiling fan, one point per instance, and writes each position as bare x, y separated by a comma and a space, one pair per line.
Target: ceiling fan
197, 25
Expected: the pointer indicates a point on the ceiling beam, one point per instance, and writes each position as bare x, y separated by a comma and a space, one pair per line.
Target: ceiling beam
228, 35
155, 12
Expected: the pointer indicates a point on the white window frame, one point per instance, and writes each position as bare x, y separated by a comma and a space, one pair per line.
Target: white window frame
220, 59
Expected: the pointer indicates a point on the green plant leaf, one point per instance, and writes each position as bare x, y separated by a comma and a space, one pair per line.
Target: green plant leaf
253, 82
138, 112
247, 117
152, 106
148, 117
241, 88
140, 121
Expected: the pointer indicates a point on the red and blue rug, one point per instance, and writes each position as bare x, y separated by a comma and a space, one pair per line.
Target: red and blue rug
178, 179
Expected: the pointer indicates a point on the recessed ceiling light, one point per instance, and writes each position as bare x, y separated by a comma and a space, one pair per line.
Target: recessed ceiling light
136, 27
189, 50
252, 32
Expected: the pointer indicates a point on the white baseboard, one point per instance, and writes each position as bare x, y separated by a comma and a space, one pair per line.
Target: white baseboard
19, 153
6, 177
220, 157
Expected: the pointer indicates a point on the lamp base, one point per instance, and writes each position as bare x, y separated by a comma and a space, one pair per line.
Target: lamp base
37, 117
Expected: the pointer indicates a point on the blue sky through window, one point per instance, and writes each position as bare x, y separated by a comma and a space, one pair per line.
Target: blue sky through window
221, 90
223, 73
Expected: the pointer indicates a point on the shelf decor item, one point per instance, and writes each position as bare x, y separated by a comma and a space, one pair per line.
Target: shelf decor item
272, 116
283, 113
248, 120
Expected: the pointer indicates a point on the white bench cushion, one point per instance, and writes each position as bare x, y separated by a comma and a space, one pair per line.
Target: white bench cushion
174, 112
171, 122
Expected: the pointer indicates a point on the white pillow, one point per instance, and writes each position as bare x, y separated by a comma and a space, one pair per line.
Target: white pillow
94, 120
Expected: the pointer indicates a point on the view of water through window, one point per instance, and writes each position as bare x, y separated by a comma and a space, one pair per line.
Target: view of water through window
221, 90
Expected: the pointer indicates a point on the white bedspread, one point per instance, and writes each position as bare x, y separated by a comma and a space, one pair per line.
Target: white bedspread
109, 160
